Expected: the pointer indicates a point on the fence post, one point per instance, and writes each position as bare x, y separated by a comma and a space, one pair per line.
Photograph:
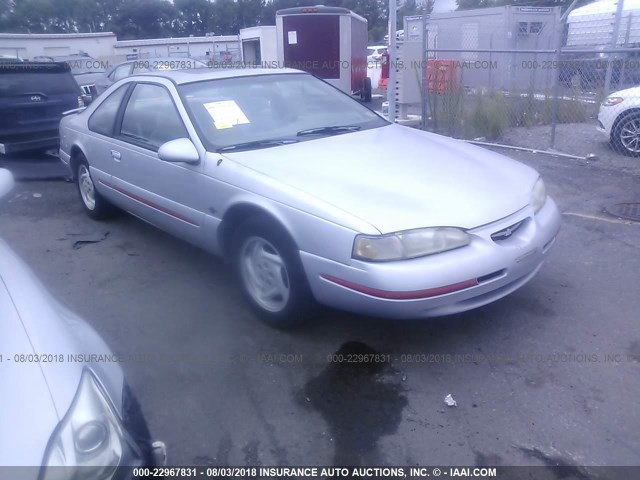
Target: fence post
425, 75
614, 44
556, 80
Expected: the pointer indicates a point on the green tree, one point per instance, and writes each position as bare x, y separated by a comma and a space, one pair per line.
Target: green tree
145, 19
193, 16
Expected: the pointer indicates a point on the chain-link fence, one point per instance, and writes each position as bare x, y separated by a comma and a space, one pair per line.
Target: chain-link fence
519, 75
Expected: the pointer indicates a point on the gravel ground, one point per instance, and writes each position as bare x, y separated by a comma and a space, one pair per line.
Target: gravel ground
580, 139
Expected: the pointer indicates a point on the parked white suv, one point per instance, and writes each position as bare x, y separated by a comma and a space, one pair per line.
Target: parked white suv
619, 120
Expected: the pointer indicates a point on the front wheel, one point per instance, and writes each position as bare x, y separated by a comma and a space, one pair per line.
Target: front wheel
626, 135
270, 274
92, 202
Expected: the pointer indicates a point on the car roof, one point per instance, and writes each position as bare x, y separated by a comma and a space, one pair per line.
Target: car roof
164, 59
180, 77
35, 67
66, 58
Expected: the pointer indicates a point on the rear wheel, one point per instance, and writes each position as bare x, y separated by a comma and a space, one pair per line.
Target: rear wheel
626, 135
92, 202
270, 273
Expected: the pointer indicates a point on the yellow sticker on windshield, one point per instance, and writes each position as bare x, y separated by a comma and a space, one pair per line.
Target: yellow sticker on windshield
226, 114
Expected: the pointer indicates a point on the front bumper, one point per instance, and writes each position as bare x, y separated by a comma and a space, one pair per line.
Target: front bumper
445, 283
605, 121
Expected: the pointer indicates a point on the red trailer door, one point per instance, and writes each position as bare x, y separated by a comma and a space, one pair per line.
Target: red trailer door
312, 43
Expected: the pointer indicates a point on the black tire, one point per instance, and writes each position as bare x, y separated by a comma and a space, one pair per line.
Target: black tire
621, 127
101, 208
297, 307
367, 90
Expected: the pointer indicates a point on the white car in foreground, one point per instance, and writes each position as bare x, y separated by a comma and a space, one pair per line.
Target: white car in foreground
619, 120
65, 409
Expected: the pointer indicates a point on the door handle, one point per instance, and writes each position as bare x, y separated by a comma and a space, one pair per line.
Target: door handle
115, 155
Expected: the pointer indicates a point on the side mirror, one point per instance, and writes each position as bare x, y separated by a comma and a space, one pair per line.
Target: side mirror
181, 150
6, 182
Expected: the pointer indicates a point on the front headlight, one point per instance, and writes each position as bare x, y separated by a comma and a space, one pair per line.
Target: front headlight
611, 101
89, 441
409, 244
538, 195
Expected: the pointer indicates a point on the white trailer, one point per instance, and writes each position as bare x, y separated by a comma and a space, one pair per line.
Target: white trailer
592, 27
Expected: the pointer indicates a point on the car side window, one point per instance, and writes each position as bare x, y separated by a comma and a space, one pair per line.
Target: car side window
151, 118
120, 72
103, 119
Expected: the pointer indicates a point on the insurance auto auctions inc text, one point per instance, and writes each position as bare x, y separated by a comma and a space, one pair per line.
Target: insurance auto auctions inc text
379, 472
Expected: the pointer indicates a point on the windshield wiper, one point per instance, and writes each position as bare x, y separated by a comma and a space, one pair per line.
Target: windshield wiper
256, 144
329, 130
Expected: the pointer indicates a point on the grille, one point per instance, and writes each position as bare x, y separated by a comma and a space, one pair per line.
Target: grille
629, 211
506, 233
87, 89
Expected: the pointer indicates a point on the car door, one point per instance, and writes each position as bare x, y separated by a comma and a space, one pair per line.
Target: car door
162, 193
99, 143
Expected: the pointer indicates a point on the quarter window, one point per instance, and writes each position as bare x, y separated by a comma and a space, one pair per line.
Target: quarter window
103, 119
151, 118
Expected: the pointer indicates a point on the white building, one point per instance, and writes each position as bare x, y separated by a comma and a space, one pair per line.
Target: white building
217, 48
29, 45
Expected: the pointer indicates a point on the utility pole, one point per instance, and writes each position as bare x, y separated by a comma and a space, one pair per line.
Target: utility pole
393, 58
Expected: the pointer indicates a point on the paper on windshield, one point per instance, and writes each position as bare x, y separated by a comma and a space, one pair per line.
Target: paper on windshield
226, 114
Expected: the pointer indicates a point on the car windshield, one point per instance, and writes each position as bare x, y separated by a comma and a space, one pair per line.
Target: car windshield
263, 108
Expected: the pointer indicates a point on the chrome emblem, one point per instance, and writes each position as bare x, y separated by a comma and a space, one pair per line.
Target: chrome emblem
506, 233
36, 98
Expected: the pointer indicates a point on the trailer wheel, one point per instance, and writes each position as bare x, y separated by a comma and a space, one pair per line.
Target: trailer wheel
365, 93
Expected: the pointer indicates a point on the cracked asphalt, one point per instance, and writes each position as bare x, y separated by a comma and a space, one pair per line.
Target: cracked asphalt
548, 375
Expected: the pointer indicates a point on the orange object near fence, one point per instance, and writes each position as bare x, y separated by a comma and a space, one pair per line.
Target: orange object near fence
442, 75
384, 73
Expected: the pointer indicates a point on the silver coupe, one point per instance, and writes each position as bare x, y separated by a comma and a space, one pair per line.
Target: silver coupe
311, 195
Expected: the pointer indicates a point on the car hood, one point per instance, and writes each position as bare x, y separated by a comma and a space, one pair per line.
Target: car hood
632, 92
398, 178
27, 412
37, 394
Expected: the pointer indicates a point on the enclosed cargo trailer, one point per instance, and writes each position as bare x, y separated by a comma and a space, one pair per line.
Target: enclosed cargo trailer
328, 42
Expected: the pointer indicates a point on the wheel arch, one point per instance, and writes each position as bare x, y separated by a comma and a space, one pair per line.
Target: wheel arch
75, 154
239, 213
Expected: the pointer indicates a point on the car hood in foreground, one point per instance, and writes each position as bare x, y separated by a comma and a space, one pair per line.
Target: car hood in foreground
37, 392
397, 178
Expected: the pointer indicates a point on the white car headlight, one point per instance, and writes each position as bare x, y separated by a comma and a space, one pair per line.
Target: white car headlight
538, 195
89, 441
611, 101
409, 244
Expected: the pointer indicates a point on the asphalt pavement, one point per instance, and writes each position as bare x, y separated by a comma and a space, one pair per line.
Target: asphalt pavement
546, 376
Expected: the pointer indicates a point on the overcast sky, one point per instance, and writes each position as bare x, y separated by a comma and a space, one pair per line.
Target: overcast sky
442, 5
